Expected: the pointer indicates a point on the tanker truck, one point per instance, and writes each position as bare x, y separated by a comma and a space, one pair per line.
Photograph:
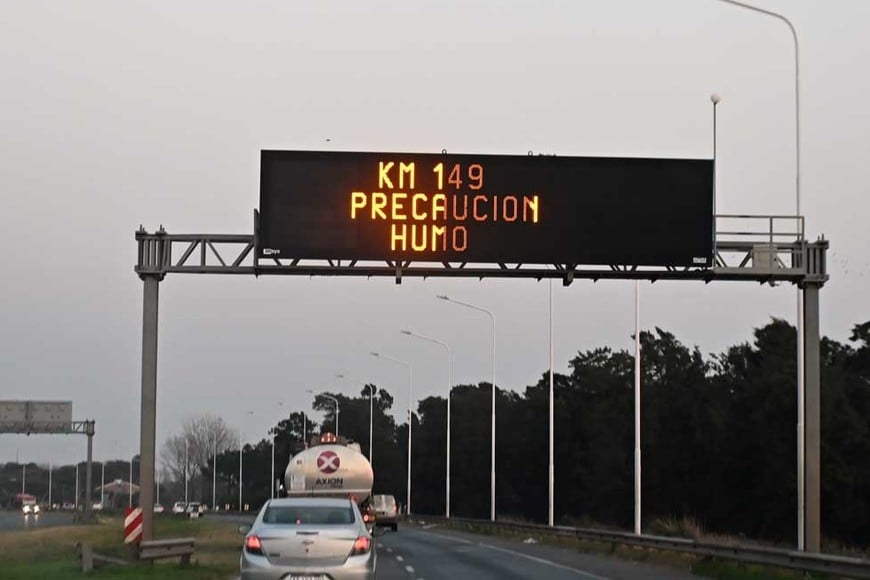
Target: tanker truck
332, 467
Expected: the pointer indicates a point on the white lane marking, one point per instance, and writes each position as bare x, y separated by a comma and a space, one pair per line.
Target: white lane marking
410, 569
526, 556
389, 550
400, 559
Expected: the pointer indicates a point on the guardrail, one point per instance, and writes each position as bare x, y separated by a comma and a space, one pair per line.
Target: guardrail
803, 561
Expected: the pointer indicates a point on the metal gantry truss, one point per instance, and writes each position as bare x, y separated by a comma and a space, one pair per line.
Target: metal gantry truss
767, 250
48, 428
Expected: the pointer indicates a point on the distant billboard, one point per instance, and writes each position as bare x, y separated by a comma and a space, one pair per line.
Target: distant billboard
35, 416
486, 208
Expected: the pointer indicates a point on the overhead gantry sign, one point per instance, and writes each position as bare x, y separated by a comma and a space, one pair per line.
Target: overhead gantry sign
482, 216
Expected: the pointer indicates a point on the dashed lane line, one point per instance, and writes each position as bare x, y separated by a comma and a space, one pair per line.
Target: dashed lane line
522, 555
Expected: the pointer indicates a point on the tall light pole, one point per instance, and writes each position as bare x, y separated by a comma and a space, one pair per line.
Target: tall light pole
410, 413
77, 487
492, 461
334, 400
813, 510
240, 470
49, 484
186, 449
551, 471
637, 458
372, 389
130, 486
274, 431
214, 474
449, 389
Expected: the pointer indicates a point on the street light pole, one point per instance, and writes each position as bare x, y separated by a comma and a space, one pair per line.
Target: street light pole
492, 451
186, 449
334, 400
449, 389
813, 510
214, 474
637, 457
274, 431
410, 415
240, 471
372, 389
551, 472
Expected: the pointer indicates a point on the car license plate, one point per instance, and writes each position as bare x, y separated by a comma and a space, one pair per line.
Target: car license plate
305, 577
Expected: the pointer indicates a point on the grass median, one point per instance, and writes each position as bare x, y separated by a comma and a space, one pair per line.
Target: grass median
49, 552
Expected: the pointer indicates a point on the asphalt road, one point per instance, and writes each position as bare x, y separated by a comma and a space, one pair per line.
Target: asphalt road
14, 520
433, 553
415, 553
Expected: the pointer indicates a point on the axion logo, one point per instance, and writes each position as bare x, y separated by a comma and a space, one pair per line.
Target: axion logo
328, 462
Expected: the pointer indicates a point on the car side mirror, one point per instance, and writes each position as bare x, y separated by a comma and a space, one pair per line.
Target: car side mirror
244, 529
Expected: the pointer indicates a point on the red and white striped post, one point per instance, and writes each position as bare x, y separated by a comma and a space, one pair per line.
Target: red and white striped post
132, 525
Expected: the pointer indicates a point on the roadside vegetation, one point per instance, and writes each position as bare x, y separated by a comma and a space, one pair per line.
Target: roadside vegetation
49, 552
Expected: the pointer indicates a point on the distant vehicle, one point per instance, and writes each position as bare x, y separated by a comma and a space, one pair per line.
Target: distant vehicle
158, 508
179, 507
308, 537
332, 467
194, 507
386, 511
26, 502
68, 506
97, 506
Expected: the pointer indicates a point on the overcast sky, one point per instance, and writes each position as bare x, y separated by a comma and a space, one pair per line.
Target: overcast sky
115, 114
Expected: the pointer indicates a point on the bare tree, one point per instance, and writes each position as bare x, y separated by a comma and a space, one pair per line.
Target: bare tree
192, 450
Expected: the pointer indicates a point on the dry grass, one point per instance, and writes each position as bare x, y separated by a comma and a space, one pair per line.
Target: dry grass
49, 552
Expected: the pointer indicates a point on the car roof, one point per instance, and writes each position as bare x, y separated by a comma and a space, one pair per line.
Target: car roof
310, 501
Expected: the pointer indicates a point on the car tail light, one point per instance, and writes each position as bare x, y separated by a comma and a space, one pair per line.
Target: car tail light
362, 545
366, 517
253, 545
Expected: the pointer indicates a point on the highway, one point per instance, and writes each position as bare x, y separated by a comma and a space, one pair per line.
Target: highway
415, 553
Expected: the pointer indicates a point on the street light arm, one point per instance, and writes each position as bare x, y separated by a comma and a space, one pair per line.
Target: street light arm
794, 36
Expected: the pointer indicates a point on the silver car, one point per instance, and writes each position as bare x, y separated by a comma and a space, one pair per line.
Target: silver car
308, 538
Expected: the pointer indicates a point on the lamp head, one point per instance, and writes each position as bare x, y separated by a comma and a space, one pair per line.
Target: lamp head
714, 98
408, 332
443, 297
373, 353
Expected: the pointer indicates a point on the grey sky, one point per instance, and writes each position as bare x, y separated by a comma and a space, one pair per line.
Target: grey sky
114, 114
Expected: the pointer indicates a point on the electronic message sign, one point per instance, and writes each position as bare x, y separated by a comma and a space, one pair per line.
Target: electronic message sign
486, 208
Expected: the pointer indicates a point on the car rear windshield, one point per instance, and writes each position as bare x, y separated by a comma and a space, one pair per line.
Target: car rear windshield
385, 501
301, 515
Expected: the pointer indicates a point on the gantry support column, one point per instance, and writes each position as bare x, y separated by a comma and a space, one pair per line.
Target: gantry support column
812, 419
148, 421
88, 479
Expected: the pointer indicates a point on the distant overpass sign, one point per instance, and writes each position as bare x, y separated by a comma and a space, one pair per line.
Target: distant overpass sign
486, 208
36, 417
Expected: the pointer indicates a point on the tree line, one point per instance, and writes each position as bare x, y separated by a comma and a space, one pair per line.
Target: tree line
718, 436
